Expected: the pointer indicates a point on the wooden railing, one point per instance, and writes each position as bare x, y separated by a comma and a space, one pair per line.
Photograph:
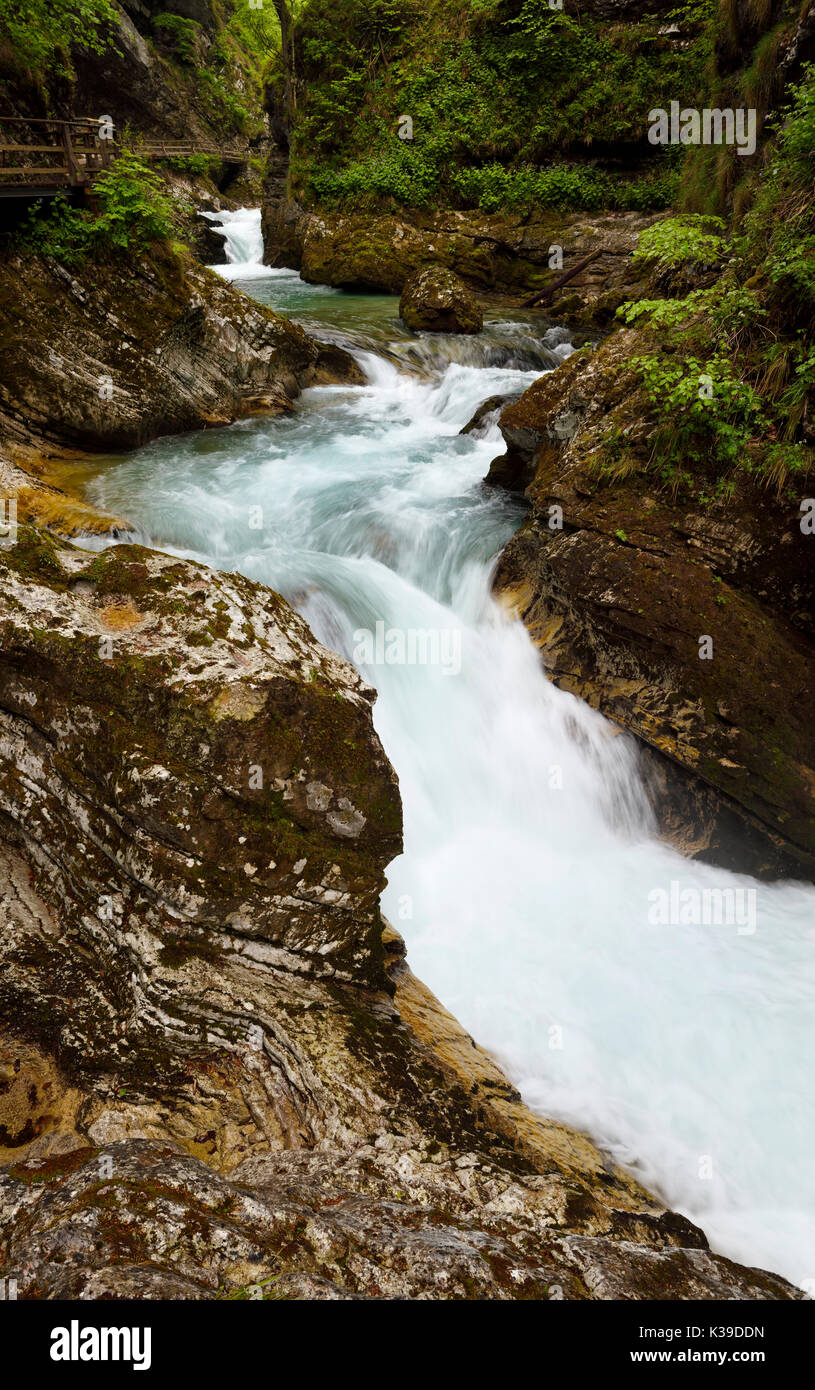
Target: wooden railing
73, 154
180, 150
77, 150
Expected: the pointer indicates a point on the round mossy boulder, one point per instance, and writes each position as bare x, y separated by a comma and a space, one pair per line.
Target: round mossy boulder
436, 301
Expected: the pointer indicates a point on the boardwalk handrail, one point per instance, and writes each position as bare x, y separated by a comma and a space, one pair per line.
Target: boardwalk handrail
80, 151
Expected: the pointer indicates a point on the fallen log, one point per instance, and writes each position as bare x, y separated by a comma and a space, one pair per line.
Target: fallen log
541, 296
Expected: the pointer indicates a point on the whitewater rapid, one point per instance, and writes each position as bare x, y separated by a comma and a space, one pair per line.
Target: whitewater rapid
530, 856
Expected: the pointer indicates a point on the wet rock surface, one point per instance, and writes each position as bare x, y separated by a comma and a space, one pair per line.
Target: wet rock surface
210, 242
403, 1221
215, 1072
437, 301
505, 253
109, 357
619, 582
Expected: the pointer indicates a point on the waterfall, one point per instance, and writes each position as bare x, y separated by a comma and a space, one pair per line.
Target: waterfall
531, 870
244, 243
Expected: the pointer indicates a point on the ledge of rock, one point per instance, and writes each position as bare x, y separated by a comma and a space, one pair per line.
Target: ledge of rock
110, 359
618, 597
501, 253
437, 301
210, 242
215, 1073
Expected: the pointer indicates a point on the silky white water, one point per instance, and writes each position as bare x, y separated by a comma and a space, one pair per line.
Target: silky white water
244, 244
523, 891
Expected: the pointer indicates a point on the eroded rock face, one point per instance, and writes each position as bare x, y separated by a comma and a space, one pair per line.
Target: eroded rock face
184, 764
621, 597
436, 301
504, 253
408, 1222
109, 358
214, 1071
210, 242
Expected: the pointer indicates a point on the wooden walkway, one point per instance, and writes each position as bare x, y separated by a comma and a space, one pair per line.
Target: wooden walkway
72, 153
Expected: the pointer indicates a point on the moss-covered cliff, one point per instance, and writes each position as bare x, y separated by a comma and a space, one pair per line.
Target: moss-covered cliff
175, 69
511, 102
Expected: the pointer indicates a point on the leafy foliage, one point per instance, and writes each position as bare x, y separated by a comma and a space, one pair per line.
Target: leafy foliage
687, 237
780, 227
711, 413
134, 211
563, 186
747, 332
40, 33
509, 101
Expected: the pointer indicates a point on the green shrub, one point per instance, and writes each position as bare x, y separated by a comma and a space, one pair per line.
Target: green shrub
494, 88
710, 414
198, 165
677, 240
40, 33
133, 212
561, 186
413, 176
728, 308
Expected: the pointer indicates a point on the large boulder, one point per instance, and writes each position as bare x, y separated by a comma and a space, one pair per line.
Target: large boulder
436, 301
217, 780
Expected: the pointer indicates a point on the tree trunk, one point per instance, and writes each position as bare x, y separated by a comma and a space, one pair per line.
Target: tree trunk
286, 19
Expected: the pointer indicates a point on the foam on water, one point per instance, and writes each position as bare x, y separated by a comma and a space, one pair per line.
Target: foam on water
530, 855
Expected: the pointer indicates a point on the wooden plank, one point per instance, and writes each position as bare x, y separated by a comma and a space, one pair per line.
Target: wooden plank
83, 121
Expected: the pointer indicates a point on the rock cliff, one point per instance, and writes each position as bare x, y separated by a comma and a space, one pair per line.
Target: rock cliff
504, 253
108, 356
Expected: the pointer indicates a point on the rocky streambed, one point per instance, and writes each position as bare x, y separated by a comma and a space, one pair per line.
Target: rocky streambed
225, 1077
217, 1068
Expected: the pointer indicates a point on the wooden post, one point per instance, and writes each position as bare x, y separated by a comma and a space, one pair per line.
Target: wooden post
70, 161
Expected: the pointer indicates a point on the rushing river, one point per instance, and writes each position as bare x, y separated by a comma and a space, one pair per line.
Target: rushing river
523, 891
